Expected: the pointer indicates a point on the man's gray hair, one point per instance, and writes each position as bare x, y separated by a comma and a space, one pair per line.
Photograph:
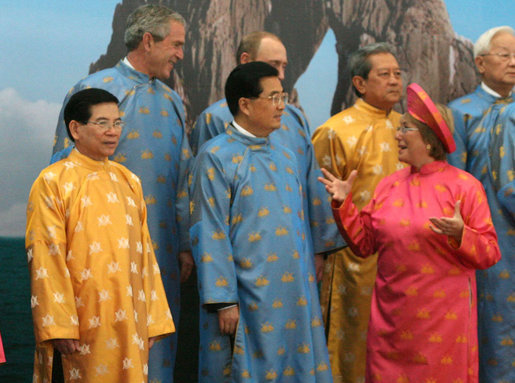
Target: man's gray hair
149, 18
360, 65
484, 41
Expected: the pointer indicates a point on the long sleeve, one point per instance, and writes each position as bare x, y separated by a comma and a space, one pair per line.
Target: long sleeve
459, 157
479, 248
159, 317
355, 226
52, 296
183, 198
210, 234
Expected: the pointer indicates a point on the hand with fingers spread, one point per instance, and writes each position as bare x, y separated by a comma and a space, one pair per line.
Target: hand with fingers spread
338, 189
450, 226
228, 320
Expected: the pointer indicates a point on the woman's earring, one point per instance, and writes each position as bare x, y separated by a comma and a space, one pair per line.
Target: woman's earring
428, 147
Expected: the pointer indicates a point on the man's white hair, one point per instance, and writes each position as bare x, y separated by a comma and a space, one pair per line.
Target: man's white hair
484, 41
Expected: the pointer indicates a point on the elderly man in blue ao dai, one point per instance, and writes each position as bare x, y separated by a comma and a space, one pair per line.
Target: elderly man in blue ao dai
484, 135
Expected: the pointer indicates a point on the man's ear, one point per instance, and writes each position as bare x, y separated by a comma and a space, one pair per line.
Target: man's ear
74, 127
244, 105
480, 64
245, 58
359, 84
147, 41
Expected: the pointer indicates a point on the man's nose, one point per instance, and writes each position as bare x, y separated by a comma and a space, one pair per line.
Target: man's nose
180, 53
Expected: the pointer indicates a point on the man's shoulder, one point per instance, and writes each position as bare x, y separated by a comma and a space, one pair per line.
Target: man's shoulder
109, 79
131, 177
219, 146
347, 118
471, 103
218, 109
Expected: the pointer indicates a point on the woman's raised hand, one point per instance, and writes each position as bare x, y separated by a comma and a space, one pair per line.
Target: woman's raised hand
337, 188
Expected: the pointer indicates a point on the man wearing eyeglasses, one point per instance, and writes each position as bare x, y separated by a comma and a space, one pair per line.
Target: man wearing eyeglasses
362, 138
484, 135
154, 146
294, 133
97, 298
260, 318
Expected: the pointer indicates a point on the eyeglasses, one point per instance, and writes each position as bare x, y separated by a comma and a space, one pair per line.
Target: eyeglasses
277, 98
105, 125
404, 129
503, 56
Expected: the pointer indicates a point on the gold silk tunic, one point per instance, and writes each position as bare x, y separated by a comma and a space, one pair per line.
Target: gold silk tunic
94, 276
361, 137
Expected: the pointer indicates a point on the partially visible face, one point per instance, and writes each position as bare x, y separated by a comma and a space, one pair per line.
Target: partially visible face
164, 54
264, 116
412, 148
90, 139
497, 73
273, 52
383, 87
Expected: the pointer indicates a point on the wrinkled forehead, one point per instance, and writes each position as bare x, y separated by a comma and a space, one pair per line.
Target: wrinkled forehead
382, 60
503, 40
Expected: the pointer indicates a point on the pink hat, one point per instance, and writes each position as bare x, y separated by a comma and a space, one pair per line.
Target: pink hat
421, 107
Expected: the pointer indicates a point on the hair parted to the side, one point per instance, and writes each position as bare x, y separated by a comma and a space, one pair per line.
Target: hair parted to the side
437, 150
484, 41
359, 63
251, 42
151, 18
245, 81
79, 105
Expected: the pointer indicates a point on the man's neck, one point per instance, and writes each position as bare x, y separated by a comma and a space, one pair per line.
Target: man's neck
137, 62
496, 91
386, 109
242, 130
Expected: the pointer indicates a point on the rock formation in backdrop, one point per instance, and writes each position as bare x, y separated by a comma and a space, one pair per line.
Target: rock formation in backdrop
428, 50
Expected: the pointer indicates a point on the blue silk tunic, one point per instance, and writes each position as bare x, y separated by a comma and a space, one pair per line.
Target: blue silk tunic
250, 243
484, 131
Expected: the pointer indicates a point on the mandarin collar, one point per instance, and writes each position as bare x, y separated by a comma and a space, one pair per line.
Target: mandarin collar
362, 105
80, 159
132, 73
430, 168
247, 140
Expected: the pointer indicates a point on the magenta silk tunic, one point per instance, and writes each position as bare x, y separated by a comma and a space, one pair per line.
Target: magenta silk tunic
423, 319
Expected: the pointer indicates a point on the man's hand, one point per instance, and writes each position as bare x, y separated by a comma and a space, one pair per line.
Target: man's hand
452, 227
228, 320
186, 263
66, 346
151, 341
319, 266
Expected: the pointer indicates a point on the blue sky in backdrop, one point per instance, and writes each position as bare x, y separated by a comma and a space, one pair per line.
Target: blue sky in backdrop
47, 46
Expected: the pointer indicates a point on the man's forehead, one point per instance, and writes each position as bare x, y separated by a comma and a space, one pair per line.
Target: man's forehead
271, 49
271, 85
503, 39
105, 108
177, 31
383, 60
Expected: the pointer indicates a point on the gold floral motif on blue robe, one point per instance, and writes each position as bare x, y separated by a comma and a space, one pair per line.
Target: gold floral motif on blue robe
296, 136
484, 130
249, 240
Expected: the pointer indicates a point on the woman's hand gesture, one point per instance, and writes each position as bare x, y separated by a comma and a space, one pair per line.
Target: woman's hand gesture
337, 188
